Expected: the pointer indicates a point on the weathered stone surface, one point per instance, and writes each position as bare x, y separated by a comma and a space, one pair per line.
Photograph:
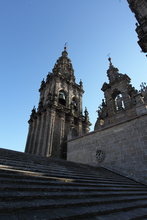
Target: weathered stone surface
39, 188
139, 8
124, 146
59, 112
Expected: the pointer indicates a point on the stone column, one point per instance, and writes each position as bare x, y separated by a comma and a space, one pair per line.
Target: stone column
80, 127
50, 133
29, 136
80, 104
70, 128
62, 127
35, 142
32, 135
40, 137
45, 131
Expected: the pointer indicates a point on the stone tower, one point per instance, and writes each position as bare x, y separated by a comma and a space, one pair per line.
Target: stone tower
59, 113
121, 101
139, 8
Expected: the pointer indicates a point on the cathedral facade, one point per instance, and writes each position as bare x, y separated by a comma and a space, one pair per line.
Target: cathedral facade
119, 140
59, 113
139, 8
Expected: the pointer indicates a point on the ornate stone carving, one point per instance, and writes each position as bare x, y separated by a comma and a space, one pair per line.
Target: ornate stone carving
100, 155
139, 8
120, 99
61, 98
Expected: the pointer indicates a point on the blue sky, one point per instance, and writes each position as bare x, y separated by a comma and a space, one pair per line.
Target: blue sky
33, 33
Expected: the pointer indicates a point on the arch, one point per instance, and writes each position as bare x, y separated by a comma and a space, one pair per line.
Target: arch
62, 97
118, 100
74, 103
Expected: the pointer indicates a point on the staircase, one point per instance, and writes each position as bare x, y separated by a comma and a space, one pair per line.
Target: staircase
38, 188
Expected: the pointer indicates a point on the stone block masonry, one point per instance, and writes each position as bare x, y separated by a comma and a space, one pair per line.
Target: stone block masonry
121, 148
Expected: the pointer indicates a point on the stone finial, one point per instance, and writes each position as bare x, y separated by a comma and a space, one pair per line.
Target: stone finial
65, 46
81, 83
86, 114
64, 53
110, 61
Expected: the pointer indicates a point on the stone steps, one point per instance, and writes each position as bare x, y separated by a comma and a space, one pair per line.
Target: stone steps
29, 195
54, 189
63, 174
52, 169
65, 183
135, 214
45, 210
53, 203
47, 179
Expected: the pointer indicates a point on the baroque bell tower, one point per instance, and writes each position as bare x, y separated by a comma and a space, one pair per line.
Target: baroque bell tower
59, 113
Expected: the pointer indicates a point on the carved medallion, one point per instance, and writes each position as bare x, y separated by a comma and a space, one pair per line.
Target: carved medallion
100, 155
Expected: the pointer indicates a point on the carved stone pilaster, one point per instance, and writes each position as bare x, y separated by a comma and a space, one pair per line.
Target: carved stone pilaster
41, 134
47, 120
51, 132
28, 144
80, 127
36, 135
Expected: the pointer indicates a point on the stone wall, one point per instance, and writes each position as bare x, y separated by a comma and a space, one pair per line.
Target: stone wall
121, 148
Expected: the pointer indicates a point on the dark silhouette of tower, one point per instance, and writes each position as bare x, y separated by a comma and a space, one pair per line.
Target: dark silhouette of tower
139, 8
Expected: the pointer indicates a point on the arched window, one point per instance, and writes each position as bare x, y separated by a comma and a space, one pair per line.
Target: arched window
62, 97
74, 103
118, 100
119, 103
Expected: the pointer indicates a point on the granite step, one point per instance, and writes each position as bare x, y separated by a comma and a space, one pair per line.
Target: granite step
45, 210
7, 174
53, 204
67, 194
31, 196
62, 174
52, 169
44, 182
10, 187
11, 173
135, 214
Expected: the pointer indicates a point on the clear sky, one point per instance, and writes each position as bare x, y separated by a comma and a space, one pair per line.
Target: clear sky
32, 36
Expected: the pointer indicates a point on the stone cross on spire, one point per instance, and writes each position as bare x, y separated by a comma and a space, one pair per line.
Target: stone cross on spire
65, 46
110, 61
